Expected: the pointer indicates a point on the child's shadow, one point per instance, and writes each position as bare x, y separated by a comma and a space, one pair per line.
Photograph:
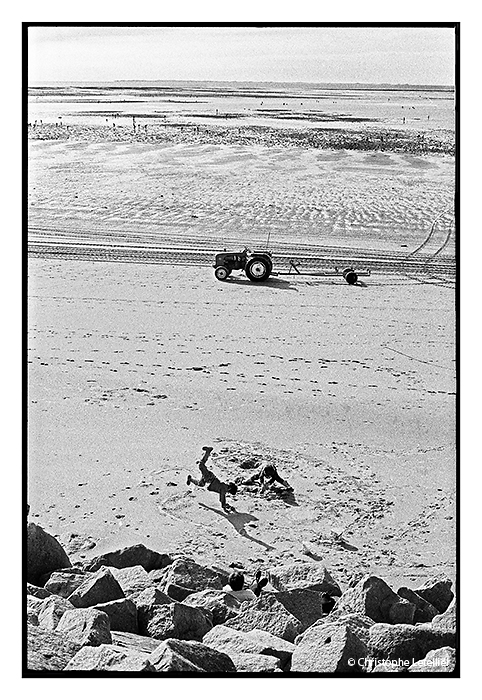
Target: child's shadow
238, 521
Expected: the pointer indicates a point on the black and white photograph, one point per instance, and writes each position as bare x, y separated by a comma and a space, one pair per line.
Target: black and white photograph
240, 253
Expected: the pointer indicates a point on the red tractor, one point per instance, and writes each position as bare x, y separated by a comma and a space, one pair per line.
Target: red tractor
257, 265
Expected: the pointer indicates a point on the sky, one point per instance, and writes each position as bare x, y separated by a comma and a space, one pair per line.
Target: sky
414, 55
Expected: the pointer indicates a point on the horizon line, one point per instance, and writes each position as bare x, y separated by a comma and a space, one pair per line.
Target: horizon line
266, 82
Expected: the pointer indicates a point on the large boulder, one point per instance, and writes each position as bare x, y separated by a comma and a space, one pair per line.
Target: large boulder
149, 596
314, 577
358, 624
424, 611
135, 555
37, 591
132, 579
86, 627
174, 655
255, 642
304, 604
134, 642
44, 554
48, 651
100, 587
268, 614
443, 660
334, 649
108, 657
122, 614
372, 597
446, 621
189, 576
409, 642
255, 663
437, 591
176, 621
51, 611
65, 582
220, 604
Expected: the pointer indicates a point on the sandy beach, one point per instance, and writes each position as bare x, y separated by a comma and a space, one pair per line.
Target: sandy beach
133, 367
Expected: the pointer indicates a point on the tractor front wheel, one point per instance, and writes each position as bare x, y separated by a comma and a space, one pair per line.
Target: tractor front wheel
258, 270
221, 273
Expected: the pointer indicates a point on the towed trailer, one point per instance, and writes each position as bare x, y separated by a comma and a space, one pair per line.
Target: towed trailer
258, 267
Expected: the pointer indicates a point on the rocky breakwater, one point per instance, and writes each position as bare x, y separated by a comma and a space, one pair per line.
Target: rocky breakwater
139, 611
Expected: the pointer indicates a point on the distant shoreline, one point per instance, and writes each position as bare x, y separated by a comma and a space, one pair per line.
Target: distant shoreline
366, 139
146, 84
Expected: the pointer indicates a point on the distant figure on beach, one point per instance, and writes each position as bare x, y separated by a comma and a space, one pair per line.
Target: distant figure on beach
267, 476
212, 482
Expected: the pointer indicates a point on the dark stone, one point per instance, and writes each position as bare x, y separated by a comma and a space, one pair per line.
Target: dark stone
314, 577
44, 554
409, 642
100, 587
135, 555
304, 604
48, 651
402, 612
190, 657
122, 614
437, 591
424, 611
177, 592
87, 627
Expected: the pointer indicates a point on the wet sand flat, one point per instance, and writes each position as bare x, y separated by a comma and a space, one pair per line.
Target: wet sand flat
240, 194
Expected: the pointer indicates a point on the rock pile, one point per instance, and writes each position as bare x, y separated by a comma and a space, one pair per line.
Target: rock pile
136, 610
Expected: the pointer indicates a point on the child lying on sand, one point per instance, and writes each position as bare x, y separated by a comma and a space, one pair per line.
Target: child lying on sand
211, 481
267, 476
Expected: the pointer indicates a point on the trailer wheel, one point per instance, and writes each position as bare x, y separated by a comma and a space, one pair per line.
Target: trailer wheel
221, 273
258, 270
350, 275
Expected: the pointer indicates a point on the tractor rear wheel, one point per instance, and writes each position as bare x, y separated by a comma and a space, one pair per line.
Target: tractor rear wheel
221, 273
258, 269
350, 275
